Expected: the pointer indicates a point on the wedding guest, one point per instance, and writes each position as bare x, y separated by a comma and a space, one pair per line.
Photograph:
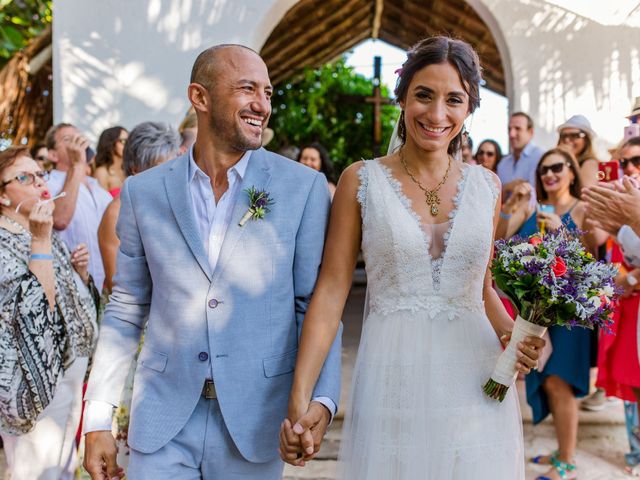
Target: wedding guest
316, 156
77, 214
47, 326
521, 163
489, 154
466, 152
108, 161
565, 376
615, 207
149, 144
577, 135
39, 154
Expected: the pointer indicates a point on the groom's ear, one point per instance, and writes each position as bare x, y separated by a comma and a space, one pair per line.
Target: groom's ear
199, 97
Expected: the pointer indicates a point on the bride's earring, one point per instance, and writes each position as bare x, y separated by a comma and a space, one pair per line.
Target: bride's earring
5, 201
402, 130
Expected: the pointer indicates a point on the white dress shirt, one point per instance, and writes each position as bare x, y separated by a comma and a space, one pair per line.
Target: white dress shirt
510, 169
92, 201
213, 220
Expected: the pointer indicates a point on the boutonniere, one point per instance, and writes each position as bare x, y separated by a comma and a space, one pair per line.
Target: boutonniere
259, 202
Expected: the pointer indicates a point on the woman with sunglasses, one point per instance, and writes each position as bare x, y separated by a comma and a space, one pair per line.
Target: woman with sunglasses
565, 376
618, 364
577, 136
108, 163
47, 326
489, 154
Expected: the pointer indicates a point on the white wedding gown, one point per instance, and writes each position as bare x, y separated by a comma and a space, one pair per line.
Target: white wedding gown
417, 409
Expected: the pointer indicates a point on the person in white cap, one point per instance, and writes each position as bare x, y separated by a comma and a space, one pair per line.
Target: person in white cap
577, 135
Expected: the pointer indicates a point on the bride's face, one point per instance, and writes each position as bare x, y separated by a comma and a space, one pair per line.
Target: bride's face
435, 107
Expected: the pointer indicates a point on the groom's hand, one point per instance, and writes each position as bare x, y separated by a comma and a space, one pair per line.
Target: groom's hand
100, 456
301, 442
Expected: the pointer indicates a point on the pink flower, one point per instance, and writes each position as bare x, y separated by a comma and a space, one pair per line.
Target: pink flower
559, 267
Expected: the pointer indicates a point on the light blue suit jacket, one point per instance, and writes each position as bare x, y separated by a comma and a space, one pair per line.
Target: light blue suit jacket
245, 317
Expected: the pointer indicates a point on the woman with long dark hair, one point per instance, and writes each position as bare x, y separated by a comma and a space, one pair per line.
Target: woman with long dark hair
425, 223
108, 161
316, 156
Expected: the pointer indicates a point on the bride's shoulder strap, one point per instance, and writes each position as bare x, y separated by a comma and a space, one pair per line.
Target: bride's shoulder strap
363, 176
492, 180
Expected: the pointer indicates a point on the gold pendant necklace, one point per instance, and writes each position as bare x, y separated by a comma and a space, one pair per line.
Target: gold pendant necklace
431, 197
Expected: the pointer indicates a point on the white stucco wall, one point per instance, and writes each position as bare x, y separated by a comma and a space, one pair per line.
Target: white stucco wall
124, 61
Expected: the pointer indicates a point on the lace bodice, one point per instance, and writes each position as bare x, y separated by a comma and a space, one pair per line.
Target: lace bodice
402, 272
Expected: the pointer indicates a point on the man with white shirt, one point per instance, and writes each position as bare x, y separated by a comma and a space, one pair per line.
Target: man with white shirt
77, 215
219, 254
521, 163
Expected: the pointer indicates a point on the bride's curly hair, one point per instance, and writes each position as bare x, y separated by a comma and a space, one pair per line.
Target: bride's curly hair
437, 50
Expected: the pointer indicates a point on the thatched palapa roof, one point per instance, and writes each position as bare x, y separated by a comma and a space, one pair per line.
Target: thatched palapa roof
314, 32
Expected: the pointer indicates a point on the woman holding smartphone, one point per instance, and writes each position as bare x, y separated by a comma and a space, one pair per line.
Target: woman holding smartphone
565, 376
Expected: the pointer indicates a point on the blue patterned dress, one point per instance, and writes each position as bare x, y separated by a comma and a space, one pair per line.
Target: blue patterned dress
570, 359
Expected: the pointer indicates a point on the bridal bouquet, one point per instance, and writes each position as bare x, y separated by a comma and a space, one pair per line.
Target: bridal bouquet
551, 280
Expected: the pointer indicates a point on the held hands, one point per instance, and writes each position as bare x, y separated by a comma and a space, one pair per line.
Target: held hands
80, 261
528, 352
100, 456
301, 441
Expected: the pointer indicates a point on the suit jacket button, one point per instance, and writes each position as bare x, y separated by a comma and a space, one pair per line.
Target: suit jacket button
213, 303
203, 356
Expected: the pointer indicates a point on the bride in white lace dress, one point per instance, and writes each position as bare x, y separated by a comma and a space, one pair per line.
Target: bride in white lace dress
430, 340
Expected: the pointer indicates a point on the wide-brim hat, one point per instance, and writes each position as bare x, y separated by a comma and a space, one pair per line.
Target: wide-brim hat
635, 110
581, 123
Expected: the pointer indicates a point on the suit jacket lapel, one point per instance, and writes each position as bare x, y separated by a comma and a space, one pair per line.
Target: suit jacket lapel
177, 185
257, 175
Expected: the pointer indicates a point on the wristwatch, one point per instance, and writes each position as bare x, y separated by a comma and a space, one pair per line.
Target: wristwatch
631, 280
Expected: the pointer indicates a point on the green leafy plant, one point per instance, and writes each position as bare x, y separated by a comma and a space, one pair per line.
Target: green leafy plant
20, 21
314, 107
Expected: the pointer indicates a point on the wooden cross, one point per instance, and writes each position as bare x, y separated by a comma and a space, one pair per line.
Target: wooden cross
377, 100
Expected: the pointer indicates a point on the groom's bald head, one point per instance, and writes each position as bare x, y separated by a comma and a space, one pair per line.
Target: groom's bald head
214, 60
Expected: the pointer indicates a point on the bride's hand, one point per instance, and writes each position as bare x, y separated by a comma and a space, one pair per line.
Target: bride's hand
301, 441
528, 352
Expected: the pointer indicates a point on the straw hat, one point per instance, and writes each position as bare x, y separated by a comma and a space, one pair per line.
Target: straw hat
581, 123
635, 110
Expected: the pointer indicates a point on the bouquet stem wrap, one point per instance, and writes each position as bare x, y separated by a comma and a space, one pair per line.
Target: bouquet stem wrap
505, 372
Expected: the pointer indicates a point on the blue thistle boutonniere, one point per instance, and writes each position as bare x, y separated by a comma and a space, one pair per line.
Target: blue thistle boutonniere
259, 202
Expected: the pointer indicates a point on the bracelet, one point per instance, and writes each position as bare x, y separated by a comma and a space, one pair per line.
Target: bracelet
506, 216
41, 256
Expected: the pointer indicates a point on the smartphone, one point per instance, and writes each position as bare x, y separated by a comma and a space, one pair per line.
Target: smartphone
546, 208
90, 154
631, 131
608, 171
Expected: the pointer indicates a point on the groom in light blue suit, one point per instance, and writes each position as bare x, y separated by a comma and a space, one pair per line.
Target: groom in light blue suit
223, 299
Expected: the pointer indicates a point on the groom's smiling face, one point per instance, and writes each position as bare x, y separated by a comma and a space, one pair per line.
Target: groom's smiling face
240, 93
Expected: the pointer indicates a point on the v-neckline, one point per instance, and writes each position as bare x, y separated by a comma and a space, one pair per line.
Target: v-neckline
396, 187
